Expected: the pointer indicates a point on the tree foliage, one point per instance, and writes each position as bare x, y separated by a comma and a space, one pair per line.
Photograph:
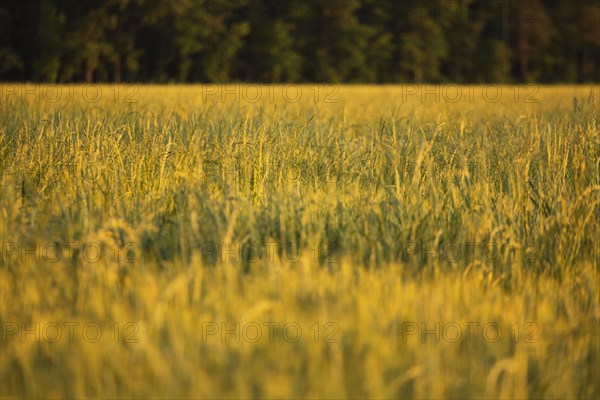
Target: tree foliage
370, 41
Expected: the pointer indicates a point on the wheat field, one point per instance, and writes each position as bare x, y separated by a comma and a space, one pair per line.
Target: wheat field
247, 241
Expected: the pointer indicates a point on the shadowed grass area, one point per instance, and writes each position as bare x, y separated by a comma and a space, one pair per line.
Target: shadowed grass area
353, 241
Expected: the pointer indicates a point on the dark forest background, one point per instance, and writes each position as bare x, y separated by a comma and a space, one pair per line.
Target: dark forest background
370, 41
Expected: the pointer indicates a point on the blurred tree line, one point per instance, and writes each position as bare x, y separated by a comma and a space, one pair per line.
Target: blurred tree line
300, 41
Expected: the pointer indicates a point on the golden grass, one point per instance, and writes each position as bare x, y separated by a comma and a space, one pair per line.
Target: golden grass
378, 221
